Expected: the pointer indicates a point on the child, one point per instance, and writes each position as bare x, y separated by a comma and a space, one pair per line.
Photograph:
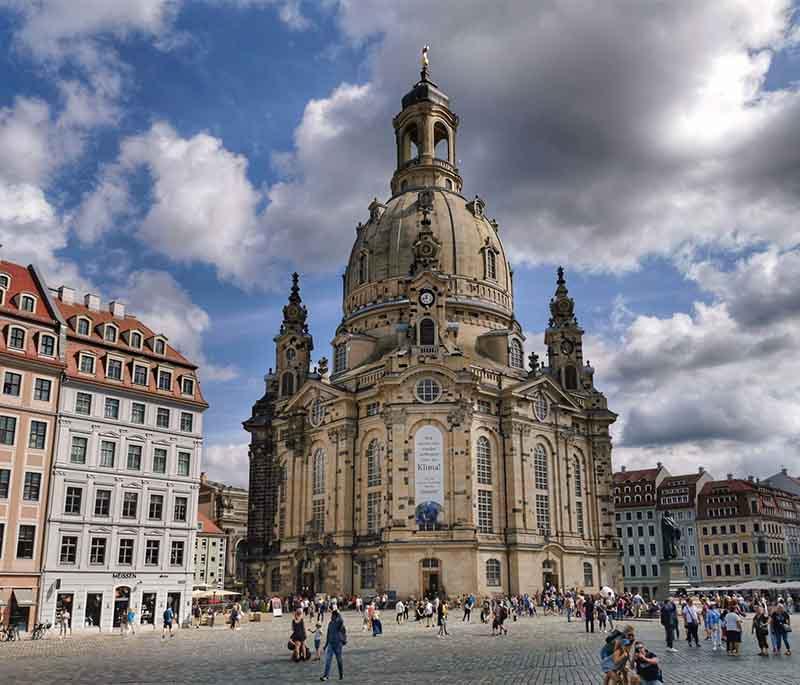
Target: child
713, 626
317, 641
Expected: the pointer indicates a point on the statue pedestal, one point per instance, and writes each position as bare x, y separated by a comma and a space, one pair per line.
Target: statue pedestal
673, 578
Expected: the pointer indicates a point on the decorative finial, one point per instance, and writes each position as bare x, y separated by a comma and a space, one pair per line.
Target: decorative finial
561, 280
533, 362
425, 61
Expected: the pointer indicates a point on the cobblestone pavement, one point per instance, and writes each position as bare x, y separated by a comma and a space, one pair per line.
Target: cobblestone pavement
542, 650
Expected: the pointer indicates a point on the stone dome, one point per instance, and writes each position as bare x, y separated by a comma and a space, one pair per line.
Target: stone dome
470, 251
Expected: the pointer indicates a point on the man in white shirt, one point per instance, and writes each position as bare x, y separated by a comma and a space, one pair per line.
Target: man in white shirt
400, 609
692, 620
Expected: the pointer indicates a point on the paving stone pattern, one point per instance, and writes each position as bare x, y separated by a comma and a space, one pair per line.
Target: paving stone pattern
540, 651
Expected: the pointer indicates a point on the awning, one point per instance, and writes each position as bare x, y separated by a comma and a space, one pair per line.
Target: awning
5, 598
24, 597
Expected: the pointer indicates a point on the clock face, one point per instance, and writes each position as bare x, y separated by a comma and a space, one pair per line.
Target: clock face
427, 298
563, 306
567, 346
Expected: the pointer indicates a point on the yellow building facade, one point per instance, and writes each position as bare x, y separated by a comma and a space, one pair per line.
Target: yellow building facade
430, 460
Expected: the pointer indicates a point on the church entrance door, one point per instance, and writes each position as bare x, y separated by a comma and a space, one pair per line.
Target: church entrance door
549, 578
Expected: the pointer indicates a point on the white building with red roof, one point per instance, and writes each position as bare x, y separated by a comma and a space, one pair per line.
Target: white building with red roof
123, 500
209, 553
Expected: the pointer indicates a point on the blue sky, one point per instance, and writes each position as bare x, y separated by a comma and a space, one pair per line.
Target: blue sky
186, 157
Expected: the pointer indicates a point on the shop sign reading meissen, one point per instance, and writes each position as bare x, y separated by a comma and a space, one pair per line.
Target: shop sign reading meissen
428, 475
123, 574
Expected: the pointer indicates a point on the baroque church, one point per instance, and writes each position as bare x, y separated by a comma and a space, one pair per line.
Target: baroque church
428, 459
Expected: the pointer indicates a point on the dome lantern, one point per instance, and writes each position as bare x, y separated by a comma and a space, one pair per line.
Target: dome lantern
425, 131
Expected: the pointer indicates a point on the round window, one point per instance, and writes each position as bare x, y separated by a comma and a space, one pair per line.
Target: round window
317, 412
540, 407
428, 390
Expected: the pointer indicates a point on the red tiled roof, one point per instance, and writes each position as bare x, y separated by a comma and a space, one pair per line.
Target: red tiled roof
732, 485
689, 478
207, 526
630, 476
22, 281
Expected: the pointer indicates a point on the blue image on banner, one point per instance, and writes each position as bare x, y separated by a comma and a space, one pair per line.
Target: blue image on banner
427, 513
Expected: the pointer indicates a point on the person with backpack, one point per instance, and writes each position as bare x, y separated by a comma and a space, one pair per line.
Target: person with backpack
646, 665
335, 639
714, 626
169, 617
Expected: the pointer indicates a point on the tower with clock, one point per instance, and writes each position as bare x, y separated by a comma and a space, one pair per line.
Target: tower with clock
564, 339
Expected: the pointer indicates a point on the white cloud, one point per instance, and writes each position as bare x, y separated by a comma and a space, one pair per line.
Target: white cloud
159, 300
228, 463
25, 144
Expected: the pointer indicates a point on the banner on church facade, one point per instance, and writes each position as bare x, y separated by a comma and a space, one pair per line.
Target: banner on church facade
428, 475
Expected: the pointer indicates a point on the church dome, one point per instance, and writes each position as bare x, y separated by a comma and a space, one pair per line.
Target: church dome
426, 200
470, 250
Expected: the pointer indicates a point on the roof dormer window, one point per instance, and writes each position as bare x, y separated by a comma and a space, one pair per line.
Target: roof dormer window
2, 296
165, 380
187, 386
16, 338
47, 345
86, 363
27, 303
160, 346
83, 326
5, 281
135, 339
110, 333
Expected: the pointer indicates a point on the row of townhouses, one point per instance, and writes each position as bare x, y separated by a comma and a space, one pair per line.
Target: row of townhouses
100, 447
732, 530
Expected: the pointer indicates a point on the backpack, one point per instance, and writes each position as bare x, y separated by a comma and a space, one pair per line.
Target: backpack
168, 615
343, 634
608, 648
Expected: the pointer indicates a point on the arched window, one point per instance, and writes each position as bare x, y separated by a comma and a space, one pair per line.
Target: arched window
373, 463
363, 266
540, 467
571, 378
578, 478
410, 144
588, 574
427, 332
515, 354
493, 572
491, 264
287, 384
441, 142
483, 460
275, 580
339, 358
319, 471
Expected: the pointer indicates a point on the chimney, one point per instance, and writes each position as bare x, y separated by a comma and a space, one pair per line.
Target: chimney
730, 476
66, 295
785, 471
701, 470
117, 309
92, 302
622, 469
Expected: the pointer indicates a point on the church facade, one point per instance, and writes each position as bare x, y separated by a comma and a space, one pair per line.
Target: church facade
428, 459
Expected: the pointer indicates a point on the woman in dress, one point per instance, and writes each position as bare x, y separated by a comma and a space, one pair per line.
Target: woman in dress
298, 636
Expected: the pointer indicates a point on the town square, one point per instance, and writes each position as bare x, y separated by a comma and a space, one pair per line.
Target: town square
383, 342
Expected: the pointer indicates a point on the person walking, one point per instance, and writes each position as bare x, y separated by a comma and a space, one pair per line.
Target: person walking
467, 610
733, 630
65, 623
131, 623
400, 610
669, 614
335, 640
760, 630
588, 613
377, 626
317, 642
169, 617
298, 636
197, 614
781, 627
442, 619
692, 621
428, 613
713, 626
569, 605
